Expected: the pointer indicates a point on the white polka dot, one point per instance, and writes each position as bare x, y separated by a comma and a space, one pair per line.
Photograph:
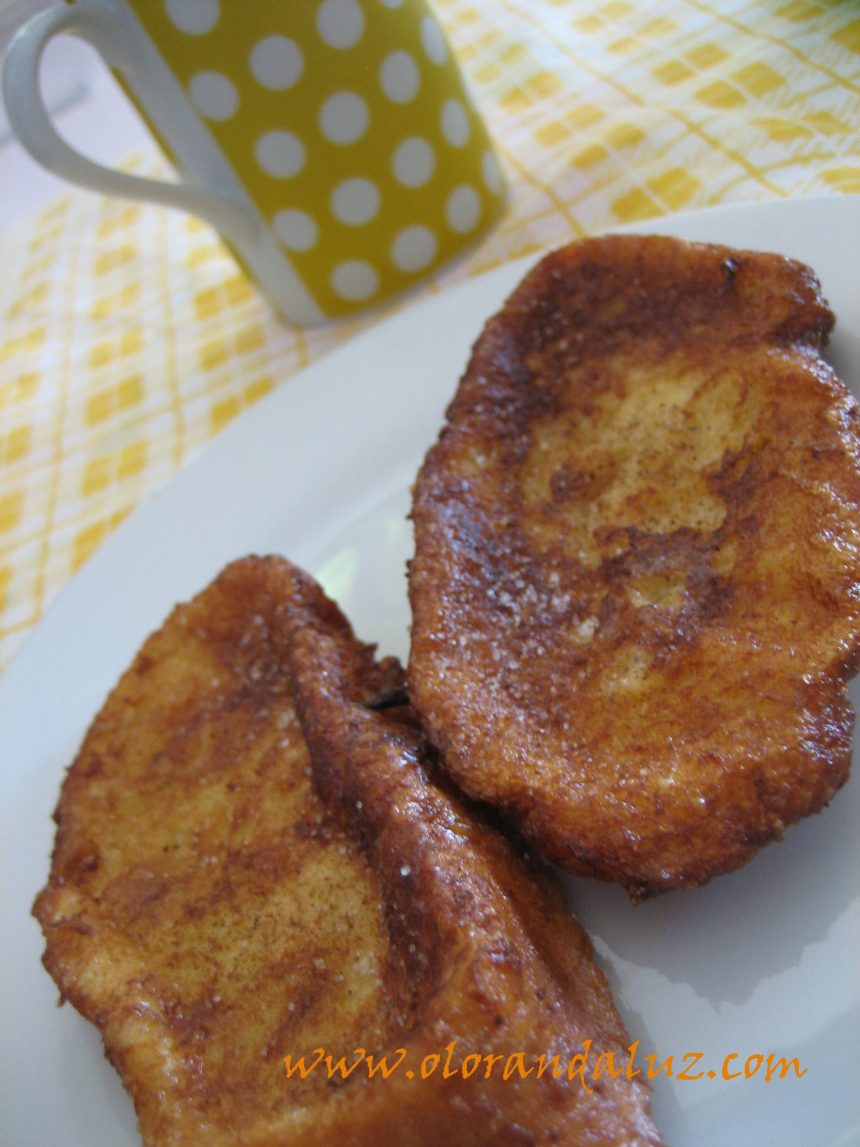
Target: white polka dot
297, 230
414, 162
399, 77
433, 41
280, 154
355, 202
214, 96
414, 248
277, 62
463, 208
194, 17
344, 118
454, 122
355, 280
340, 23
491, 173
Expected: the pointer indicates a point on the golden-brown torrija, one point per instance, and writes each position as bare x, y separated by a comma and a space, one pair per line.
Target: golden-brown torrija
212, 912
636, 589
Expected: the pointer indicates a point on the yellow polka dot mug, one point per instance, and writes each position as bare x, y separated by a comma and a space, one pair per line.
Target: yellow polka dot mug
332, 143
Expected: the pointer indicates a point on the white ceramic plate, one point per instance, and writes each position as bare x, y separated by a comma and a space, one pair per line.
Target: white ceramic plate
763, 961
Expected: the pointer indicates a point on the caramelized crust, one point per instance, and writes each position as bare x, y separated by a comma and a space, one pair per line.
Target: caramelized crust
212, 912
636, 586
204, 910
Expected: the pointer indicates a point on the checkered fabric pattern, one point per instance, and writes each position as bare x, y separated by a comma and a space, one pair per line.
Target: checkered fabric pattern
128, 337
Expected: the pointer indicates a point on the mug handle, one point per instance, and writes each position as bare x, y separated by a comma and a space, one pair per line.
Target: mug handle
113, 37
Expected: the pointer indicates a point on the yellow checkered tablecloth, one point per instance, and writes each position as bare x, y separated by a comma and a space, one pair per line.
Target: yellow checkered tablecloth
128, 338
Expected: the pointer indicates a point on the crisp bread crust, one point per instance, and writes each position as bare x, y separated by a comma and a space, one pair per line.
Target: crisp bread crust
253, 861
635, 585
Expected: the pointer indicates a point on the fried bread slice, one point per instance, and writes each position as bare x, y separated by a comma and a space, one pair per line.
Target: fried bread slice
212, 912
636, 582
